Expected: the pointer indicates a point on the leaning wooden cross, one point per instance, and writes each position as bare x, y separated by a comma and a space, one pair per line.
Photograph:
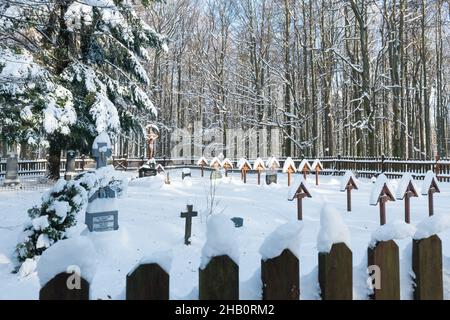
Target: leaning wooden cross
429, 187
202, 163
244, 166
289, 168
299, 191
317, 167
188, 226
406, 190
380, 195
348, 183
259, 166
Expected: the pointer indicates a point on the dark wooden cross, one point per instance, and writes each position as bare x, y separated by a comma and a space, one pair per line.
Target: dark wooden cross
188, 226
384, 197
316, 170
290, 170
409, 193
349, 187
301, 193
434, 188
244, 170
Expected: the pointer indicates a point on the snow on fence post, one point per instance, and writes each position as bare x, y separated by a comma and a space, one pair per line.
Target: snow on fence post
335, 257
149, 280
280, 267
219, 270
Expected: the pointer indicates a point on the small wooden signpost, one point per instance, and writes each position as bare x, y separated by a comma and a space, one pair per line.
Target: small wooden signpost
304, 167
244, 167
348, 184
259, 167
299, 191
381, 195
406, 190
430, 186
188, 226
289, 168
317, 167
202, 163
227, 165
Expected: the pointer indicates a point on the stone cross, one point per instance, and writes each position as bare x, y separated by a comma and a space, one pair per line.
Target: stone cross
188, 226
101, 154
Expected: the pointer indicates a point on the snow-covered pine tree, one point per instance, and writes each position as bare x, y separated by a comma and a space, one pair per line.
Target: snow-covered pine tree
70, 70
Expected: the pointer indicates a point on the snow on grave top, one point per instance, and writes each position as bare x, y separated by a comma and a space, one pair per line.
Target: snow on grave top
317, 163
345, 179
259, 164
378, 188
272, 162
295, 185
227, 163
289, 164
302, 165
431, 226
102, 138
221, 239
78, 252
161, 258
286, 236
186, 171
332, 229
427, 181
202, 161
215, 162
403, 185
243, 162
397, 229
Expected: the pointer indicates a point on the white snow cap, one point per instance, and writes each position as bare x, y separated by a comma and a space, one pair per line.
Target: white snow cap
345, 178
221, 239
186, 170
259, 163
68, 255
201, 161
102, 138
214, 161
427, 182
272, 162
332, 229
431, 226
289, 163
302, 165
242, 162
286, 236
403, 185
298, 180
228, 162
317, 163
377, 188
161, 258
397, 229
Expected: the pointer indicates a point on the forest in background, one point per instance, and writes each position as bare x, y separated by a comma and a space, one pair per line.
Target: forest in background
350, 77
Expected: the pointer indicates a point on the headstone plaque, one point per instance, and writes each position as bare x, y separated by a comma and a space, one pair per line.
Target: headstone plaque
101, 213
148, 169
271, 177
12, 170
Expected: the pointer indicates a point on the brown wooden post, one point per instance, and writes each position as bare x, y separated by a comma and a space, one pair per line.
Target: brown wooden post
280, 277
336, 273
383, 200
385, 256
430, 202
245, 176
201, 167
317, 177
57, 289
304, 174
349, 199
226, 172
408, 207
299, 208
148, 282
427, 267
259, 177
289, 178
219, 280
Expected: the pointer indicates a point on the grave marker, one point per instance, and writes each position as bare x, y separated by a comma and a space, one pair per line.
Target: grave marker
348, 183
304, 167
188, 215
405, 191
148, 282
380, 195
289, 168
101, 149
70, 165
160, 168
101, 213
215, 163
317, 167
202, 163
12, 170
227, 165
244, 167
430, 186
259, 167
299, 191
186, 172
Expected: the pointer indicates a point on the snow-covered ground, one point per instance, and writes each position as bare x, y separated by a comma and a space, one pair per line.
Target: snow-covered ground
149, 220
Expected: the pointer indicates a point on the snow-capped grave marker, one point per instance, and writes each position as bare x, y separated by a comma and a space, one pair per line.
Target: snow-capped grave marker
149, 280
101, 149
304, 167
244, 166
430, 186
215, 163
219, 269
259, 166
185, 173
160, 168
148, 169
70, 165
202, 163
317, 167
188, 215
227, 165
406, 190
12, 170
348, 183
272, 165
380, 195
299, 190
335, 257
289, 168
101, 212
280, 267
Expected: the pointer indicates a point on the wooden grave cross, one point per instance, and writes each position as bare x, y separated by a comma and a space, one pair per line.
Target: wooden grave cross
302, 192
385, 196
227, 166
317, 166
259, 168
289, 172
244, 169
434, 188
188, 226
304, 168
202, 162
351, 184
409, 193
